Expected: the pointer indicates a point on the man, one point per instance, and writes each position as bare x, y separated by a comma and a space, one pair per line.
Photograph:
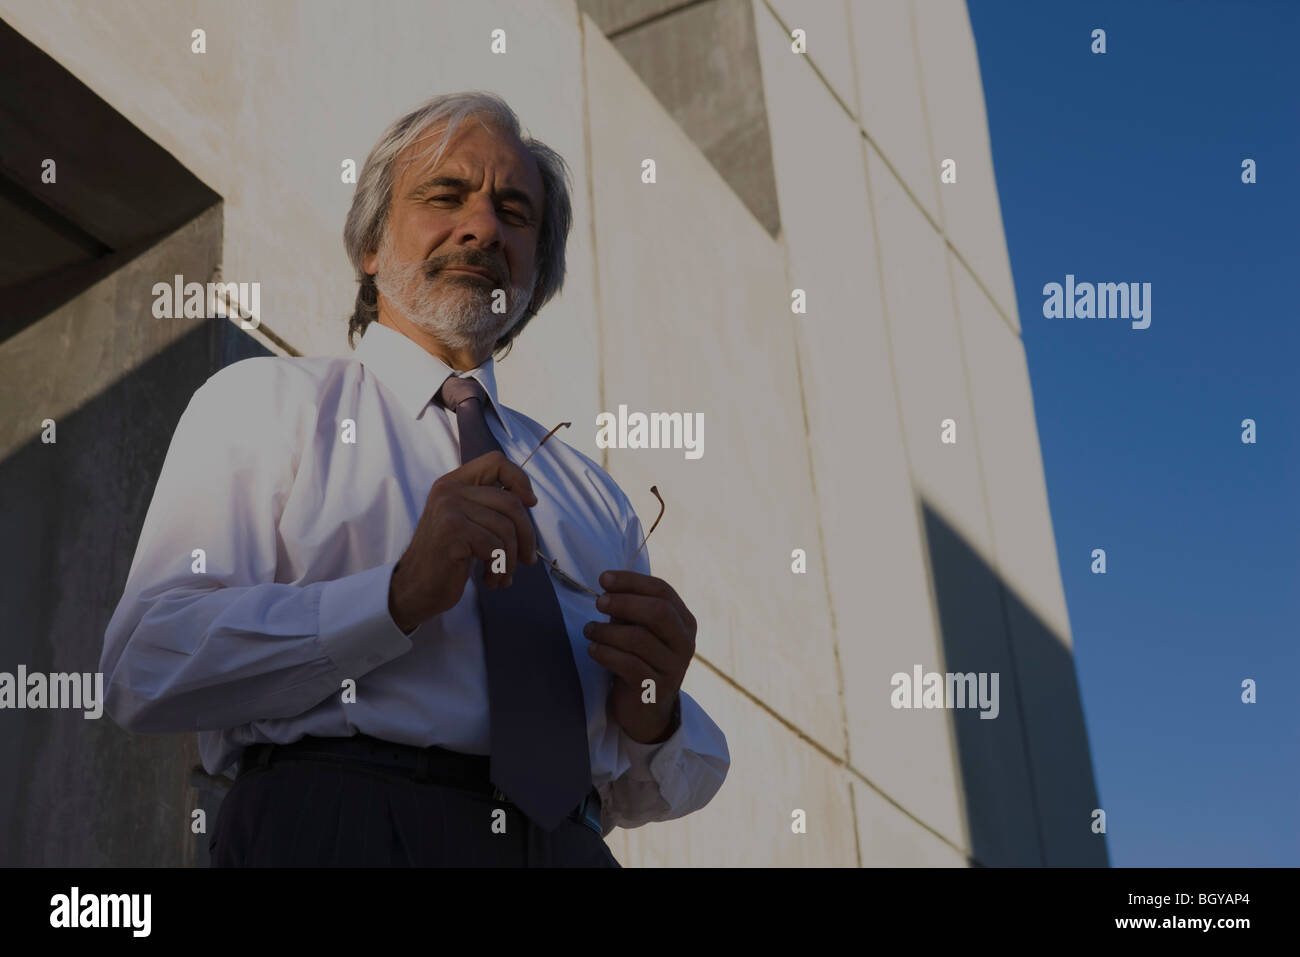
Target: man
338, 582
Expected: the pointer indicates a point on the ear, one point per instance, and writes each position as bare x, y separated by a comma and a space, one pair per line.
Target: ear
370, 263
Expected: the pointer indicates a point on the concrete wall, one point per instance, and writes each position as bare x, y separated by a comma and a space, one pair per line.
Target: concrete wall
822, 430
700, 60
80, 792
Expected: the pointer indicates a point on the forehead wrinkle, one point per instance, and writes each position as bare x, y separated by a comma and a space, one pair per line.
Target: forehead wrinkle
428, 153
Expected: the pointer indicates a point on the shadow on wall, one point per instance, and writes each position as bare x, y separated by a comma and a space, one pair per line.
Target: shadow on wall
80, 792
1029, 792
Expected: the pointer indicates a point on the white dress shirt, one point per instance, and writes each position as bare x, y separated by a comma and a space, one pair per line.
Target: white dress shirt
300, 529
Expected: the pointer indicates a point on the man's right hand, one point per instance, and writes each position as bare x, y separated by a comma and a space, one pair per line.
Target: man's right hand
470, 512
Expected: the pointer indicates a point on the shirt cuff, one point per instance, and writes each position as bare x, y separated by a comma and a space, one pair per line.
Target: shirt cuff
356, 629
661, 763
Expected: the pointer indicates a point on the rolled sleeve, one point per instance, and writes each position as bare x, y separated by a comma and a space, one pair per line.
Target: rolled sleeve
669, 779
661, 763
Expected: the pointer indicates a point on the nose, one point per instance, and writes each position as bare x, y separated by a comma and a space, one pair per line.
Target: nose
479, 221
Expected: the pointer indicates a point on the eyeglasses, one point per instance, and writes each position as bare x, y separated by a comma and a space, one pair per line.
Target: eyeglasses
550, 562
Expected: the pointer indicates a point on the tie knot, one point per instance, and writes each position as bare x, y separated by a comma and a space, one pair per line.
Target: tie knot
459, 388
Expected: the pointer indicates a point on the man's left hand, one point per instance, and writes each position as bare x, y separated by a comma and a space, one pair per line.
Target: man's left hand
651, 634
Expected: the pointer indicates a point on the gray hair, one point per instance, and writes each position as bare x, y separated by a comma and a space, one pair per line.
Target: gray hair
368, 216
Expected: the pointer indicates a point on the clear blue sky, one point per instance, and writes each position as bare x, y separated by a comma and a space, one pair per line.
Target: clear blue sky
1127, 167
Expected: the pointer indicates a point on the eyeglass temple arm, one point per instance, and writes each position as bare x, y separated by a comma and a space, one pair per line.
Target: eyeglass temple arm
655, 490
562, 425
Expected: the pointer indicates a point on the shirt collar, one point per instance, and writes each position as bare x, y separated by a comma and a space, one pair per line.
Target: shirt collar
415, 375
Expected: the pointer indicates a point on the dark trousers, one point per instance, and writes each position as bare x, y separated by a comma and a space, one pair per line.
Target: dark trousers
316, 814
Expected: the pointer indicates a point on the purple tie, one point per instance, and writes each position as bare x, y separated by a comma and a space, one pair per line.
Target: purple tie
538, 719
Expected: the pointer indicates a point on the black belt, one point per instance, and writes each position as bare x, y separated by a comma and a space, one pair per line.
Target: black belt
432, 765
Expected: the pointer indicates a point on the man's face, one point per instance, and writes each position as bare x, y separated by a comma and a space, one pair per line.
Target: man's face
479, 208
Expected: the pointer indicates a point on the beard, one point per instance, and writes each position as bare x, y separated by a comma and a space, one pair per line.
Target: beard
454, 308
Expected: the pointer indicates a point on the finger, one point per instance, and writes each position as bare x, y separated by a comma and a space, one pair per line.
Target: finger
509, 505
481, 542
493, 468
636, 641
628, 667
658, 615
630, 582
502, 535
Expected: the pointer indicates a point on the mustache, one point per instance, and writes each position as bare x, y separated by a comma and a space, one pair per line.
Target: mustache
431, 267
